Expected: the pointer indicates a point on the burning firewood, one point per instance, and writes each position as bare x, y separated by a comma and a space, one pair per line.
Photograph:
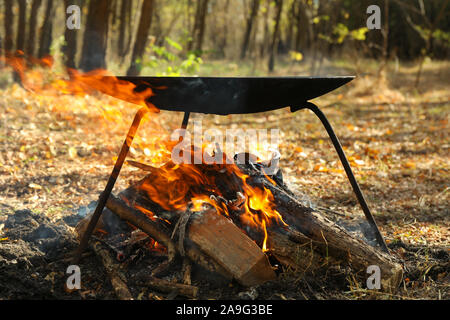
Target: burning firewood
230, 218
232, 255
306, 241
156, 231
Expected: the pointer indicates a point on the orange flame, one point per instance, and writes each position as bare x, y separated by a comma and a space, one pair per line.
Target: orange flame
177, 187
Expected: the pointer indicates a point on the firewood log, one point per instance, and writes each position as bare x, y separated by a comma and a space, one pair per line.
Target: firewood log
329, 239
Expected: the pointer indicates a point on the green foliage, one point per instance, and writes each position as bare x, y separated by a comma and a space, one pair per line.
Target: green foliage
341, 33
438, 34
318, 19
170, 60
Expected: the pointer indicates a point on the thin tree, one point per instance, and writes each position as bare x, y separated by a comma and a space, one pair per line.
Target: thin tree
198, 30
249, 25
93, 52
125, 7
32, 27
428, 40
275, 34
69, 48
8, 24
21, 25
265, 38
45, 40
141, 38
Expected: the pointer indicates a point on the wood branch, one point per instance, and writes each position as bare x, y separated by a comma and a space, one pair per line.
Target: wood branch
82, 225
155, 230
185, 290
140, 165
118, 280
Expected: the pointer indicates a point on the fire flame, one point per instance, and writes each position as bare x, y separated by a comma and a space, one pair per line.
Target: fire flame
178, 187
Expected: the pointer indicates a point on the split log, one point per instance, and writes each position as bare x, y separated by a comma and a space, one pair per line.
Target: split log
222, 240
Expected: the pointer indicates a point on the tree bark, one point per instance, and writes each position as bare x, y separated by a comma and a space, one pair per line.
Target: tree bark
70, 36
8, 24
32, 27
141, 38
198, 30
45, 40
248, 29
265, 41
276, 31
125, 16
21, 25
95, 37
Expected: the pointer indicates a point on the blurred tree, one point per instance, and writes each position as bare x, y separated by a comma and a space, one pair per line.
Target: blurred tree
21, 24
249, 25
124, 41
275, 34
32, 27
265, 37
45, 40
95, 36
142, 36
69, 49
198, 31
8, 24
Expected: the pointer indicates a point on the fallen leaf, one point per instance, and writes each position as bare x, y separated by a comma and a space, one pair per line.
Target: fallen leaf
35, 186
72, 152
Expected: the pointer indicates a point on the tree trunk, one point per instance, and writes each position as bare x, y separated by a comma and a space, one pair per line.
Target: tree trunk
199, 27
276, 31
202, 23
8, 23
125, 15
290, 29
46, 31
224, 37
141, 38
265, 41
70, 36
32, 27
303, 37
249, 26
95, 37
21, 24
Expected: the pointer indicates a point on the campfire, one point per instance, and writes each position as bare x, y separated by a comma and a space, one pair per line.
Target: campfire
233, 218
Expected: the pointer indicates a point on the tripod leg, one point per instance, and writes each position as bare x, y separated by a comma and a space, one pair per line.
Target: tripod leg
185, 120
109, 186
348, 171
